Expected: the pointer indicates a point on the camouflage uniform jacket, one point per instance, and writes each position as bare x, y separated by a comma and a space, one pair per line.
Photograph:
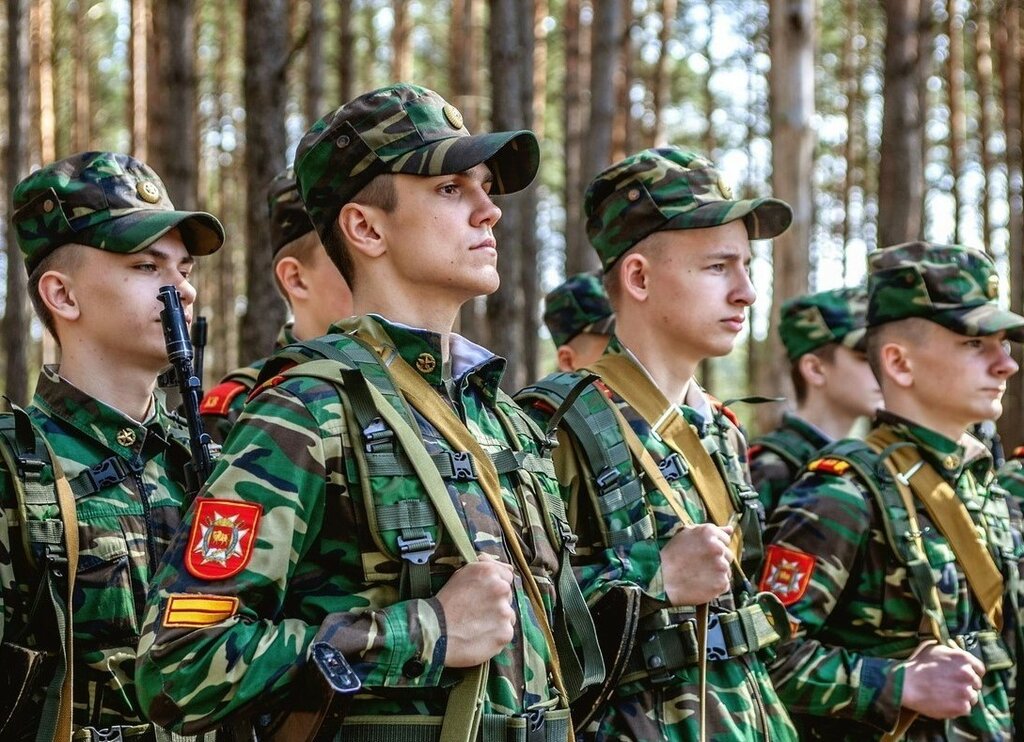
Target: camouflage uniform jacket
742, 703
771, 471
223, 403
855, 615
1011, 475
318, 569
123, 531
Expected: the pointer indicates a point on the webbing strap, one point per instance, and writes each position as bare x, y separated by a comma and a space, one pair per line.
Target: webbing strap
627, 380
552, 726
777, 442
914, 475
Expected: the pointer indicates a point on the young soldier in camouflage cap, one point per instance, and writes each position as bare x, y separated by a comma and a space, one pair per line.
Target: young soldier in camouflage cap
885, 596
338, 511
823, 335
580, 320
100, 237
316, 294
656, 513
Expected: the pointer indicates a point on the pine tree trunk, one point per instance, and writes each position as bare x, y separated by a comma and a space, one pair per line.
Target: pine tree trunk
401, 42
850, 83
266, 47
607, 31
346, 52
81, 136
983, 76
16, 340
138, 98
661, 85
314, 62
578, 255
957, 115
901, 165
622, 133
791, 103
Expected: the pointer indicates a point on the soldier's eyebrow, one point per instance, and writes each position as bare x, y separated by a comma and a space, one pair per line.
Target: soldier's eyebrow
164, 257
728, 253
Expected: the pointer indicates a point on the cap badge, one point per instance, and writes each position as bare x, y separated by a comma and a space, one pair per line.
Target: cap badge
725, 189
633, 194
451, 113
147, 191
992, 286
951, 462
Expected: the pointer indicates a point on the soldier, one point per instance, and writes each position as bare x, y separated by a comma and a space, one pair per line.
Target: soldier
1011, 475
580, 320
823, 335
895, 558
316, 294
100, 237
654, 470
384, 517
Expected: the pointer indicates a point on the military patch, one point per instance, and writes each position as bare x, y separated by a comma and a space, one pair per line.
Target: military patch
218, 400
754, 450
787, 573
829, 466
272, 381
189, 611
223, 534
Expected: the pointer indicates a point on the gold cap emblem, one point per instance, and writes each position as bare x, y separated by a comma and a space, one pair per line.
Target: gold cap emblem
724, 187
425, 363
126, 437
951, 462
633, 194
451, 113
992, 287
147, 191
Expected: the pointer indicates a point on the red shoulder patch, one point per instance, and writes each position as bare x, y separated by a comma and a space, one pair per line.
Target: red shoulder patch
1018, 453
222, 538
218, 400
272, 381
829, 466
754, 450
545, 407
787, 573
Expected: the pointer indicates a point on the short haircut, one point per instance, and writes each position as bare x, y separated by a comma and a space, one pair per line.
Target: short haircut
64, 259
650, 247
302, 249
380, 193
827, 353
911, 331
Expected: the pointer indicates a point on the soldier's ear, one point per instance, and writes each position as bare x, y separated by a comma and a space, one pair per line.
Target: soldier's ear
897, 364
566, 358
290, 275
812, 369
57, 291
634, 275
362, 228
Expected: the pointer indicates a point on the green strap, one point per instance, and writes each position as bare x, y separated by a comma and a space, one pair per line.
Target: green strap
777, 443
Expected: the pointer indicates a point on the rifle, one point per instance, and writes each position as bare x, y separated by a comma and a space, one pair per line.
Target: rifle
180, 353
199, 345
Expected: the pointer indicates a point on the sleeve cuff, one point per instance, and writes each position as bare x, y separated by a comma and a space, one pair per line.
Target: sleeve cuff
880, 692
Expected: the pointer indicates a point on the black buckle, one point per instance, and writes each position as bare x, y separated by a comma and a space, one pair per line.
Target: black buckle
673, 468
607, 479
335, 668
416, 549
715, 649
536, 725
105, 474
462, 466
110, 734
29, 467
376, 434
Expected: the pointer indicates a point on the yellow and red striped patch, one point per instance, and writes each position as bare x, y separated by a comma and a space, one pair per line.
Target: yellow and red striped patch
829, 466
189, 611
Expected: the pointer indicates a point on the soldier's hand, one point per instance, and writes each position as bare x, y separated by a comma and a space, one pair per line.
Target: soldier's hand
941, 682
695, 564
477, 603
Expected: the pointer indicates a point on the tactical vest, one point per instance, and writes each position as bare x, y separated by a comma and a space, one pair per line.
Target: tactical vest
404, 523
871, 471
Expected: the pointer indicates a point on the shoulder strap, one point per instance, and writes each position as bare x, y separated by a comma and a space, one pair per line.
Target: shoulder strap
778, 442
41, 488
246, 376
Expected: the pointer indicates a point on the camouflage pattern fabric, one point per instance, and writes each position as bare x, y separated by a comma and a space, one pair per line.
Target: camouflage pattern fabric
319, 570
1011, 475
955, 286
807, 323
742, 702
105, 200
855, 615
219, 417
123, 531
771, 472
668, 188
288, 217
579, 305
401, 129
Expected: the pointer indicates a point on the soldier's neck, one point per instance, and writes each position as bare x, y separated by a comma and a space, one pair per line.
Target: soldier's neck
825, 417
425, 313
926, 415
125, 387
667, 365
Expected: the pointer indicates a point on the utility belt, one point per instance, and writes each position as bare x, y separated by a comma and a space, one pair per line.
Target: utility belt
136, 733
987, 646
664, 643
536, 725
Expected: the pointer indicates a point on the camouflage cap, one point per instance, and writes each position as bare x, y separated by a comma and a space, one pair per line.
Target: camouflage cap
668, 188
288, 217
579, 305
401, 129
951, 285
104, 200
808, 322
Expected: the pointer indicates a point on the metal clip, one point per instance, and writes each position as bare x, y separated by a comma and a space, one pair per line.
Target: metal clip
606, 479
416, 549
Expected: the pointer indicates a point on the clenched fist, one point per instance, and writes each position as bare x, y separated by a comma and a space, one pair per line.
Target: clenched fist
477, 603
696, 564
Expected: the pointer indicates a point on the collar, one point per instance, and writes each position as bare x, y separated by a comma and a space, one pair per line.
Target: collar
421, 349
811, 433
286, 336
57, 397
946, 456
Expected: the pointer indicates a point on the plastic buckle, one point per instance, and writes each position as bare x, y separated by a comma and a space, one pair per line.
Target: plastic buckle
536, 723
105, 474
416, 549
607, 479
376, 434
335, 668
462, 466
29, 467
715, 649
673, 467
110, 734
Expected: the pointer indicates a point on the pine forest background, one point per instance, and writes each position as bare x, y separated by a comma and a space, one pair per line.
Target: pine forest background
880, 121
